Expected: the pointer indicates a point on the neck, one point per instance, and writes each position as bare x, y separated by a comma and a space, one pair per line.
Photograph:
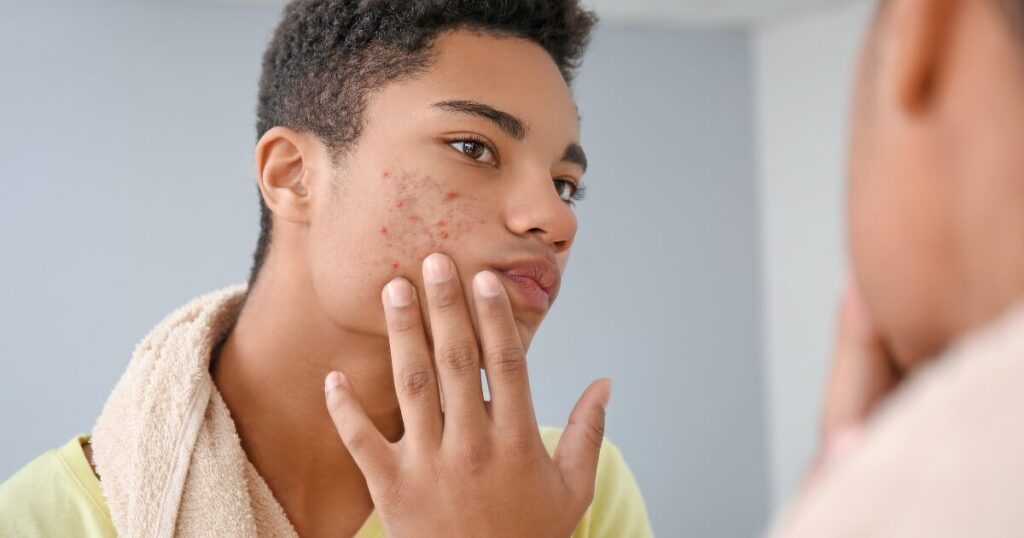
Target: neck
270, 371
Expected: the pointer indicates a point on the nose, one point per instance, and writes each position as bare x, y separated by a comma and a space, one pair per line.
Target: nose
534, 208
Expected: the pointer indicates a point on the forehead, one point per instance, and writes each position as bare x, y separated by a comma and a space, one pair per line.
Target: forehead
515, 75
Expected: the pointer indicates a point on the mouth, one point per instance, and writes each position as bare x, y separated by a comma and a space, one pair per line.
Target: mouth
534, 283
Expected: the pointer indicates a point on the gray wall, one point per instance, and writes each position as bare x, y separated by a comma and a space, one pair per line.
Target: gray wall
804, 69
662, 291
128, 190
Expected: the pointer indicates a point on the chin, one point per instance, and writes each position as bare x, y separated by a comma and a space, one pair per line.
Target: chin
526, 332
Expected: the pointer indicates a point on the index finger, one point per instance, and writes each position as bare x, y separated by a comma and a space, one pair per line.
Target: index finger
862, 372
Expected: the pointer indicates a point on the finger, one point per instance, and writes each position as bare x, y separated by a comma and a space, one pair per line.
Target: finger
578, 450
834, 450
456, 352
862, 372
411, 365
371, 452
504, 358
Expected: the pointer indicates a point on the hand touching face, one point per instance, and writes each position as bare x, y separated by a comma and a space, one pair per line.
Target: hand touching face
466, 466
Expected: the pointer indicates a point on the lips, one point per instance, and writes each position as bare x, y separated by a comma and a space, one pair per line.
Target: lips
533, 282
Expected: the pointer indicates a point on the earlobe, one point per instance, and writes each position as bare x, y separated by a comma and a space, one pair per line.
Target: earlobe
914, 53
285, 169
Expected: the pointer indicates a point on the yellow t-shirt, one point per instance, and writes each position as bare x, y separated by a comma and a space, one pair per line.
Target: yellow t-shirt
57, 494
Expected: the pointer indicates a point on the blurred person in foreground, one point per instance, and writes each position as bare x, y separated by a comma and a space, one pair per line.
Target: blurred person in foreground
924, 422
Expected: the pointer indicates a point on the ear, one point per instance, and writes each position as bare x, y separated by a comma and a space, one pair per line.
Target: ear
914, 50
287, 165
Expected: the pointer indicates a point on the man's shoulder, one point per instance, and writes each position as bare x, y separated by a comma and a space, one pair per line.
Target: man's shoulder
53, 496
43, 475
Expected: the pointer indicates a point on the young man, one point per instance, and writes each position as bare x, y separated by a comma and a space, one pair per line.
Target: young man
923, 428
389, 133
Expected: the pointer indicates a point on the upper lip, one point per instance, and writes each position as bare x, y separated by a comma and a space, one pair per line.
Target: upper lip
543, 271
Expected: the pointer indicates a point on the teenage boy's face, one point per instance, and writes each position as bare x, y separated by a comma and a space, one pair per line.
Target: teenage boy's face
475, 158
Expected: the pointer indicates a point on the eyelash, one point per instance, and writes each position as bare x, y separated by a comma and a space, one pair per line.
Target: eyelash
579, 191
474, 139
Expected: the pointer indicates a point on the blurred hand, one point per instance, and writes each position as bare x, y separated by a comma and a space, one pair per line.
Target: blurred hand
862, 375
474, 468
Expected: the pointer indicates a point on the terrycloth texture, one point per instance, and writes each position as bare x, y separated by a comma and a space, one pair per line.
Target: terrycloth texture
165, 447
944, 458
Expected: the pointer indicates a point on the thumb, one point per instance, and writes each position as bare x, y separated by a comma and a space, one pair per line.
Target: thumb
577, 452
370, 450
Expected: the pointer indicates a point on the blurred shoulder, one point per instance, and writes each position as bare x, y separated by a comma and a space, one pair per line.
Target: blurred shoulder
948, 444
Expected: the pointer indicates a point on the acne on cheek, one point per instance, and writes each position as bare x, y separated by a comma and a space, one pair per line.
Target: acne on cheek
423, 217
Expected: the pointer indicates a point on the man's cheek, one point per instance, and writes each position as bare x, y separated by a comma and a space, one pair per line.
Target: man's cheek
422, 216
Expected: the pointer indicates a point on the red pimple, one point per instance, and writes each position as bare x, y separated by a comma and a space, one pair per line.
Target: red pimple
442, 223
451, 196
400, 203
444, 235
394, 266
383, 230
385, 174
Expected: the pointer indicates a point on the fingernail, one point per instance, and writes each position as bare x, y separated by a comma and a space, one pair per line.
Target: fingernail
487, 284
437, 269
399, 293
332, 382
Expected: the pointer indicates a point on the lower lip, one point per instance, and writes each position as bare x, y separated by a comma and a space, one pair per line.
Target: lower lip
535, 297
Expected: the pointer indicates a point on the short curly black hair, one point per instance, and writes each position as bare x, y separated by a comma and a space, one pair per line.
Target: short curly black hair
1016, 8
327, 55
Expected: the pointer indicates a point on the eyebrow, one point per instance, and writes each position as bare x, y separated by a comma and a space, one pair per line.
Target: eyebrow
512, 125
574, 154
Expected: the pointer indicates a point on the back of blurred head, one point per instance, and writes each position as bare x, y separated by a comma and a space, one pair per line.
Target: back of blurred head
936, 171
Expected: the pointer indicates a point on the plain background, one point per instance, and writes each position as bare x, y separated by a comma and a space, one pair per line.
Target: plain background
703, 281
804, 78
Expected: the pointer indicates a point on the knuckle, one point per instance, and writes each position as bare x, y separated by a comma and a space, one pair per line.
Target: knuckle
459, 358
403, 324
509, 360
593, 432
416, 382
473, 458
435, 467
518, 444
356, 439
446, 296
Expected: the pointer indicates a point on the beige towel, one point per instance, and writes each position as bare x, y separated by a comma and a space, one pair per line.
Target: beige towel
943, 458
165, 447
